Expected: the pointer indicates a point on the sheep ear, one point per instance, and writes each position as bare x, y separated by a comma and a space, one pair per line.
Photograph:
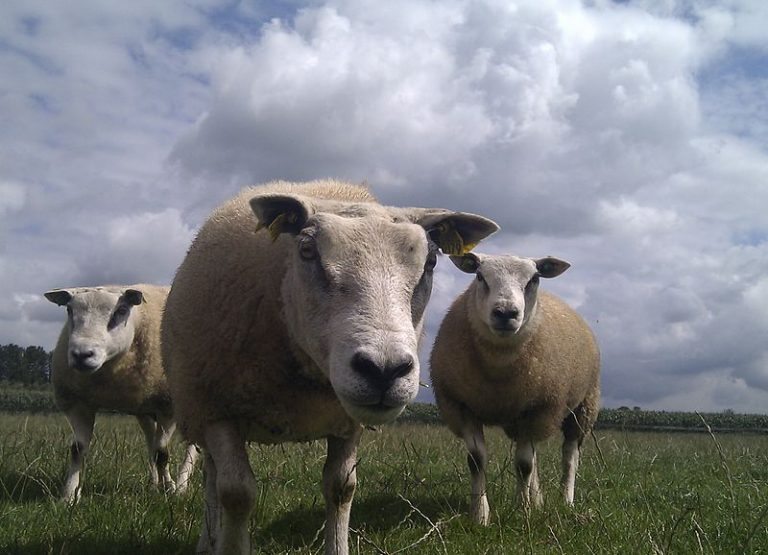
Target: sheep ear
468, 263
455, 233
280, 213
550, 267
133, 297
60, 297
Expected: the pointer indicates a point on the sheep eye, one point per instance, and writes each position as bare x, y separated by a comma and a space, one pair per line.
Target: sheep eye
307, 251
121, 311
534, 281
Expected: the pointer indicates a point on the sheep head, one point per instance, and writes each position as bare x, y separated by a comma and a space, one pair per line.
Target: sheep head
503, 296
357, 282
101, 323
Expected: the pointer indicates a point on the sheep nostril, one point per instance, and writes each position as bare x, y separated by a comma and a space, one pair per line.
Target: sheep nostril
401, 369
382, 376
364, 366
82, 355
505, 314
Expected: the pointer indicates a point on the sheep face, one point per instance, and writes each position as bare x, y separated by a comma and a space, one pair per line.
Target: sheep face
101, 324
503, 296
354, 293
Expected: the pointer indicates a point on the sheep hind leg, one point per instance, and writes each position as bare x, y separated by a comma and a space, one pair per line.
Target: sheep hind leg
477, 460
528, 488
187, 467
235, 487
149, 427
163, 434
574, 430
211, 518
339, 482
570, 466
81, 419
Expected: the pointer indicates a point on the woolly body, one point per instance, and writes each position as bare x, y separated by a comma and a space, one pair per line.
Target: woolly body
108, 358
527, 384
305, 326
510, 355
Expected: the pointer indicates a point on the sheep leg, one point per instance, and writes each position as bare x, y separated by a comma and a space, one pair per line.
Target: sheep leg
528, 490
81, 419
211, 520
235, 486
163, 434
477, 460
339, 482
149, 427
570, 466
187, 467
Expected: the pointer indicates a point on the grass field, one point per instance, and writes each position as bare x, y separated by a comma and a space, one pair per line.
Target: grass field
647, 493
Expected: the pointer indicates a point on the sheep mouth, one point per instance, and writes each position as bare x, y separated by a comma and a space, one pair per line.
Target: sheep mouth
505, 330
373, 413
86, 367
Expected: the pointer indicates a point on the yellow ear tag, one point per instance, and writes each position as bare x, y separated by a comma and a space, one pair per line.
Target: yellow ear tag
449, 240
275, 228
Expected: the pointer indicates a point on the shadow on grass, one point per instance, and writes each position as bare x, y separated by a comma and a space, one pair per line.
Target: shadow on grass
87, 546
302, 527
17, 487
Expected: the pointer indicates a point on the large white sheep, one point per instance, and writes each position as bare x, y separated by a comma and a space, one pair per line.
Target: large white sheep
305, 328
108, 358
511, 356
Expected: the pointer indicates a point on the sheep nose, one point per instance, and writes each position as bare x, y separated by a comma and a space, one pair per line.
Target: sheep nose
504, 315
382, 376
81, 358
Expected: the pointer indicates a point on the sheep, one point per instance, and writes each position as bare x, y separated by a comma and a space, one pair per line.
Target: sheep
511, 356
305, 326
108, 358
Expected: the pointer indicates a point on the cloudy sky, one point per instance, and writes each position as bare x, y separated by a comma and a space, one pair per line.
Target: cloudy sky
629, 138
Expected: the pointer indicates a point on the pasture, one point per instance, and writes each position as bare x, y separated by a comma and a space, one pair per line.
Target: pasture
637, 493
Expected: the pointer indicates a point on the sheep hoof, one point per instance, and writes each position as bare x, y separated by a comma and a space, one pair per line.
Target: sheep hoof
480, 512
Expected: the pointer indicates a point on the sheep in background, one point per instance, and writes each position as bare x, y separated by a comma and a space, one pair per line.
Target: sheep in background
108, 358
511, 356
303, 327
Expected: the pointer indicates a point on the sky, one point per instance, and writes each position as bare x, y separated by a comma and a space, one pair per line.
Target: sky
629, 138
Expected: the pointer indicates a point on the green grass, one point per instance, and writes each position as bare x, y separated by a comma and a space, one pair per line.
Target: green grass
648, 493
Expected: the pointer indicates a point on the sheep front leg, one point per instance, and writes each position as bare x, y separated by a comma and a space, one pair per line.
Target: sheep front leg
477, 460
187, 468
149, 427
339, 482
528, 489
81, 420
235, 487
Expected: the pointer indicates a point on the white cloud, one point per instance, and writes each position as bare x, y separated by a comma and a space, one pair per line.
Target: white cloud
627, 138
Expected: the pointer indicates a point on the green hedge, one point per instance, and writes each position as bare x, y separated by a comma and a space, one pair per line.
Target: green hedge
626, 419
18, 398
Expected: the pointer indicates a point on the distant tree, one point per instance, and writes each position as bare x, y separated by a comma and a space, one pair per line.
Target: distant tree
11, 362
30, 365
37, 365
636, 409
